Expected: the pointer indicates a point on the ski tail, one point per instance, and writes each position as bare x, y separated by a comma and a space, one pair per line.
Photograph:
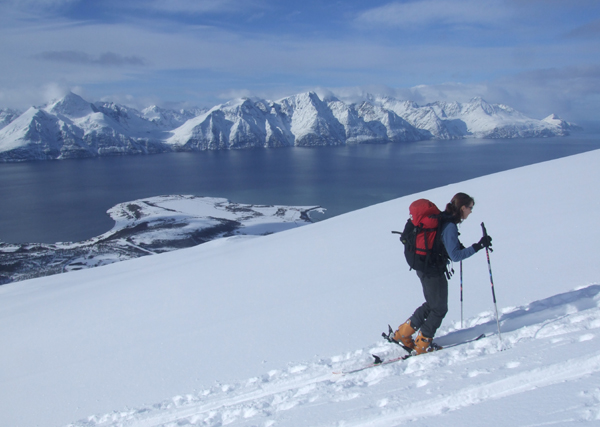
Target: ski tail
477, 338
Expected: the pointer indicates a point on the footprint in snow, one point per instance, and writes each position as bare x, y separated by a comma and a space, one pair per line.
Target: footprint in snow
422, 383
296, 369
474, 374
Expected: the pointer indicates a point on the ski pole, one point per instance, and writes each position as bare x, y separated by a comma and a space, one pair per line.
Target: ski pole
487, 252
461, 297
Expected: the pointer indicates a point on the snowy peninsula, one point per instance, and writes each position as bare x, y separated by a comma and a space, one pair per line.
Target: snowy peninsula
147, 227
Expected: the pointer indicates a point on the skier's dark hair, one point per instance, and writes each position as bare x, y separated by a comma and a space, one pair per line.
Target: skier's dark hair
458, 201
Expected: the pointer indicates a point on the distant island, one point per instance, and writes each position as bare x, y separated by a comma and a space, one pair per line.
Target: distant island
150, 226
71, 127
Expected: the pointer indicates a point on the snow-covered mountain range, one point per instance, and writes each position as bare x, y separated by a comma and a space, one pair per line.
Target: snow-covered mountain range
72, 127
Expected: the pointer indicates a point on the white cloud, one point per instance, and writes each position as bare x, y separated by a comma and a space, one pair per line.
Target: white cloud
428, 12
14, 10
177, 61
588, 30
570, 91
197, 6
79, 57
237, 93
46, 4
54, 91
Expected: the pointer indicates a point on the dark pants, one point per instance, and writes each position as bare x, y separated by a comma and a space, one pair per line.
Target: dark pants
429, 316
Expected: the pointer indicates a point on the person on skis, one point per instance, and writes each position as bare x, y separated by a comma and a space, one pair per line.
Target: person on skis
428, 317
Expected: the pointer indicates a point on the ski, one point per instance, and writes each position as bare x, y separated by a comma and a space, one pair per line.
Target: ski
380, 362
477, 338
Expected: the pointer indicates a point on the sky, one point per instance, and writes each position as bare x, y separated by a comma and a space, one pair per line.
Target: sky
538, 56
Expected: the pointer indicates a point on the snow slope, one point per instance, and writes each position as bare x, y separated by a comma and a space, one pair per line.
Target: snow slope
536, 376
247, 330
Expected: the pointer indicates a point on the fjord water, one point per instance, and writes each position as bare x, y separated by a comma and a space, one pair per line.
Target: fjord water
51, 201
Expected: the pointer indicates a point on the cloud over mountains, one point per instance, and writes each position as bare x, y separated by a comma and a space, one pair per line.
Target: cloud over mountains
196, 51
78, 57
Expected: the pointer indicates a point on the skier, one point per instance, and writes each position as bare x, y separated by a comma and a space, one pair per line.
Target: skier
428, 317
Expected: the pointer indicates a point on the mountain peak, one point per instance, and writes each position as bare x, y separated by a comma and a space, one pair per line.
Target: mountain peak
479, 103
71, 105
555, 120
552, 117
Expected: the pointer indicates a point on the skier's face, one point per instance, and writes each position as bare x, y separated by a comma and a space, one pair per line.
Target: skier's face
466, 211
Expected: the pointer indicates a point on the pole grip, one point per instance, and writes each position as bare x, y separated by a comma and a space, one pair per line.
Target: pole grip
485, 234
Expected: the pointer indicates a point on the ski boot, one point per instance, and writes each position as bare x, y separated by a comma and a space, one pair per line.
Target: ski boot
425, 345
404, 335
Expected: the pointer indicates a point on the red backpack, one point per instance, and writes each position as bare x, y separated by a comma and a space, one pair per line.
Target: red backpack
425, 216
423, 248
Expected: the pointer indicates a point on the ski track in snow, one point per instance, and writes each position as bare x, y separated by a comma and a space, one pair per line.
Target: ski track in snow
536, 353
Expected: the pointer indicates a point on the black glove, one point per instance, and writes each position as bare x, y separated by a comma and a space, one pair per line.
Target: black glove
485, 242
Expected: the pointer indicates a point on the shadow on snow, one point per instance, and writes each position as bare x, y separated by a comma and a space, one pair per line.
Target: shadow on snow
537, 312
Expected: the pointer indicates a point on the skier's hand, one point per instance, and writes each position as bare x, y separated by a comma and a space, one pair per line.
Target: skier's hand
484, 242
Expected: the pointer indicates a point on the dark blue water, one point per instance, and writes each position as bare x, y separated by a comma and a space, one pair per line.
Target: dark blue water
67, 200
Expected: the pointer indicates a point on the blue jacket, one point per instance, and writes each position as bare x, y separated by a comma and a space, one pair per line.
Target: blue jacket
453, 245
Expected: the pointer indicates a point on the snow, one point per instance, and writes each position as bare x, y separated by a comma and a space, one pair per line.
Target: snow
189, 214
72, 106
72, 127
247, 331
7, 115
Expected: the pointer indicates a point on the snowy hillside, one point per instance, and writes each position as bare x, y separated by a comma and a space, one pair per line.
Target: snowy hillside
72, 127
247, 331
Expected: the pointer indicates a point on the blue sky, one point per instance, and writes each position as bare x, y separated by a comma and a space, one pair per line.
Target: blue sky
539, 56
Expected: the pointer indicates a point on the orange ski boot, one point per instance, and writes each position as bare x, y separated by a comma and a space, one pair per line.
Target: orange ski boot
425, 345
404, 335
